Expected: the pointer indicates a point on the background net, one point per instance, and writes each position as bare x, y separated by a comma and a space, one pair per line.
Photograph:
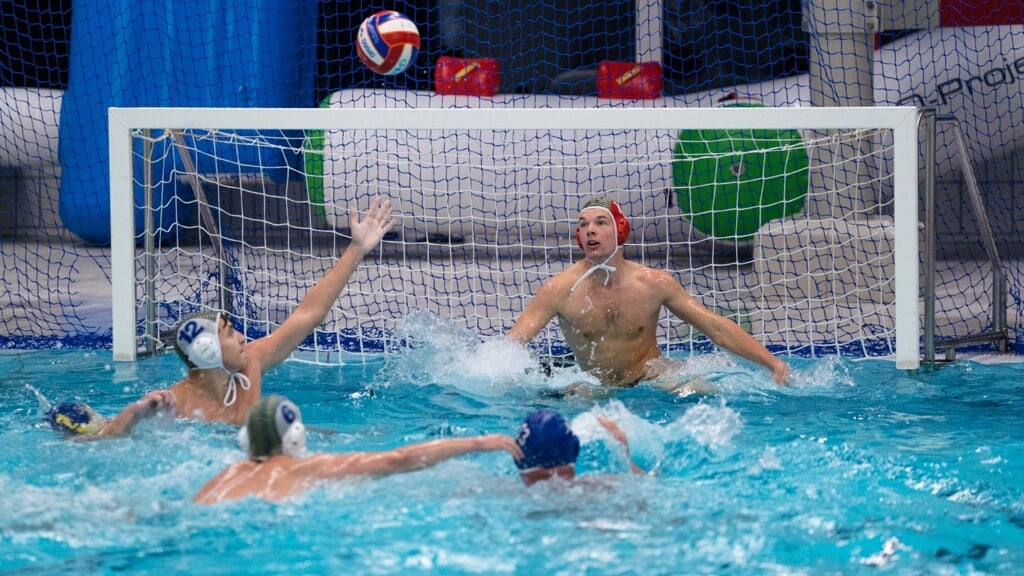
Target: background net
60, 68
485, 216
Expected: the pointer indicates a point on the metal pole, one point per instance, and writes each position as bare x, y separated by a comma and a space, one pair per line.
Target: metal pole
151, 336
987, 236
928, 116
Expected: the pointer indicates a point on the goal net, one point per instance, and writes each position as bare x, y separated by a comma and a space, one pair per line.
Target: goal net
798, 223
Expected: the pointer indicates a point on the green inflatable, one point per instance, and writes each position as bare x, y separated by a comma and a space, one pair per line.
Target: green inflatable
731, 182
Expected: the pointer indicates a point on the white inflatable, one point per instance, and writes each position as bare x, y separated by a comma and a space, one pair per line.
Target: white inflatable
484, 194
29, 118
975, 74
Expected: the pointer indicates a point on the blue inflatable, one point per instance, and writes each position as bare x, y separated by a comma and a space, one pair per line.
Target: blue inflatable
234, 53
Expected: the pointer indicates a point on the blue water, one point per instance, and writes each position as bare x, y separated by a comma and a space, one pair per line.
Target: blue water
859, 468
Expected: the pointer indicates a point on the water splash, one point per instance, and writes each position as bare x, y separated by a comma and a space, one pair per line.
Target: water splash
647, 440
887, 555
712, 373
711, 426
436, 351
44, 403
826, 372
651, 444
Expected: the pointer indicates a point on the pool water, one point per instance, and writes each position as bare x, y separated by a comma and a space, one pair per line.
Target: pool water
858, 468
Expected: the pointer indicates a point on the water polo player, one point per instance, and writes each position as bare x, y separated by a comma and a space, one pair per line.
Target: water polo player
225, 373
550, 448
79, 421
608, 308
277, 465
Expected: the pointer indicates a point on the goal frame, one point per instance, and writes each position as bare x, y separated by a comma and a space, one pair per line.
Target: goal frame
901, 120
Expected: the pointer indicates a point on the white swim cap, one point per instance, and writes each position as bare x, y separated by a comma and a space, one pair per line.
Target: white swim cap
274, 426
198, 340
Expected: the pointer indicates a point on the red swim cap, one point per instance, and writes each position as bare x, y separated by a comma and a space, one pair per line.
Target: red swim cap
621, 223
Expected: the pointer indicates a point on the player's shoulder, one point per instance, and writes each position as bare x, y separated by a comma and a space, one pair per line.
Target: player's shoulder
179, 388
651, 274
566, 278
657, 280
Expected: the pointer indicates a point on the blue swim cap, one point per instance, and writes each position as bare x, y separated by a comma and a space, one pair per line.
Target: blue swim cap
546, 441
73, 418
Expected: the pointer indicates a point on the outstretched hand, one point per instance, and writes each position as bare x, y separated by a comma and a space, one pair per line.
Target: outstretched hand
780, 374
153, 402
369, 231
145, 407
496, 442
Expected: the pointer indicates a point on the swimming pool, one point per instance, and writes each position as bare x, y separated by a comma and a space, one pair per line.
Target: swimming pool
857, 469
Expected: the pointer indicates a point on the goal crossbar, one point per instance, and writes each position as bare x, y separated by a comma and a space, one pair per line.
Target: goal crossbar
124, 123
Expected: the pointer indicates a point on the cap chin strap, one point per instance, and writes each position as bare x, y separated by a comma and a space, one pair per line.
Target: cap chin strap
602, 266
235, 379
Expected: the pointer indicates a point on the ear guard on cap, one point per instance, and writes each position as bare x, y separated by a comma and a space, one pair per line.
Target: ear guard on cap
293, 443
622, 227
276, 428
199, 339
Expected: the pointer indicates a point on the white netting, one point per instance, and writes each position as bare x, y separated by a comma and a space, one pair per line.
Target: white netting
799, 249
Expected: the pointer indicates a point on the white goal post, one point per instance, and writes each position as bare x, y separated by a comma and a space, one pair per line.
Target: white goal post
486, 201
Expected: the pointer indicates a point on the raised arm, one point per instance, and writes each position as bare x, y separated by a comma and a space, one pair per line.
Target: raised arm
311, 311
619, 435
145, 407
721, 330
407, 458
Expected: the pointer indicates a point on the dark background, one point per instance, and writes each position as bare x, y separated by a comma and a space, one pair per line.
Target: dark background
540, 43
